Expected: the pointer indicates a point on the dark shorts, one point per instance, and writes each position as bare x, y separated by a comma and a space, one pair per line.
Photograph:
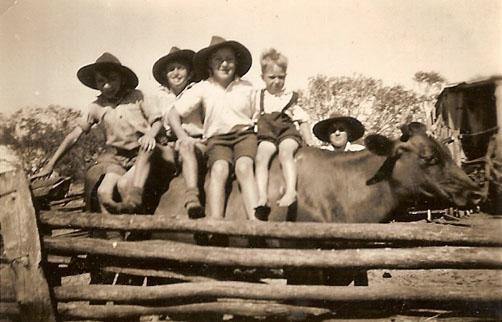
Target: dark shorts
116, 160
231, 146
276, 127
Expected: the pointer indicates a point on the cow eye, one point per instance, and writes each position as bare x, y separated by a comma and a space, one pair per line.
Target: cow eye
401, 149
430, 160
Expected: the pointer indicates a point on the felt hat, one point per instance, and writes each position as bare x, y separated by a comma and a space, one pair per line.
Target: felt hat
107, 62
175, 54
242, 55
324, 128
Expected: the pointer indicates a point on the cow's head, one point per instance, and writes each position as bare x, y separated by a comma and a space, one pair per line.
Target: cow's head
417, 164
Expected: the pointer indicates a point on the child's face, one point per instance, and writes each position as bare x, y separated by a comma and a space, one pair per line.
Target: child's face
177, 75
274, 78
109, 83
222, 65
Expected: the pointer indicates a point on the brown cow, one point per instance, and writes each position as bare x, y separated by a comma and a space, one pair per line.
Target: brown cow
358, 187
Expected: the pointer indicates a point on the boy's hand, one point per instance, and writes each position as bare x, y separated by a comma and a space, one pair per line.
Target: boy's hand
147, 142
186, 141
44, 173
310, 143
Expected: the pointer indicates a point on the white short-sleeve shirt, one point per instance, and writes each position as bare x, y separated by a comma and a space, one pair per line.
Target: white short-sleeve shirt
225, 109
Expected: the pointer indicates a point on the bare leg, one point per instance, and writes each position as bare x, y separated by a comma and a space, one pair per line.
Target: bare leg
105, 192
134, 196
245, 176
190, 174
216, 189
265, 151
190, 166
125, 182
142, 166
287, 150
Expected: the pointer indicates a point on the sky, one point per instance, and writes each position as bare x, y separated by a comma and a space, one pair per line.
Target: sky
44, 42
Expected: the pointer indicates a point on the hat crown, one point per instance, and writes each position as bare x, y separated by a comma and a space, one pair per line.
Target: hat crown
215, 40
173, 50
108, 58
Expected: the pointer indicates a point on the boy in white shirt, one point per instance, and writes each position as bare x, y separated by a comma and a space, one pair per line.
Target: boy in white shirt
227, 103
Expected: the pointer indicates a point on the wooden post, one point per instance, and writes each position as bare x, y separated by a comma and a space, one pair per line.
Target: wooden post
498, 105
22, 241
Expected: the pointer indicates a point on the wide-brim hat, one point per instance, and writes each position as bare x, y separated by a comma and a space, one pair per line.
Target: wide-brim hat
107, 62
323, 129
242, 55
175, 54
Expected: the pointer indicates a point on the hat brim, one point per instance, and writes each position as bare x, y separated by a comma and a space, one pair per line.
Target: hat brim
242, 54
355, 129
87, 73
159, 68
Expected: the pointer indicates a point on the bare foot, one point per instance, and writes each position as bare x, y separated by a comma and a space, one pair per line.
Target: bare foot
287, 199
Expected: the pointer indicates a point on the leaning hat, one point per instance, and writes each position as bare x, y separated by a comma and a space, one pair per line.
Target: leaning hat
242, 54
175, 54
323, 129
106, 61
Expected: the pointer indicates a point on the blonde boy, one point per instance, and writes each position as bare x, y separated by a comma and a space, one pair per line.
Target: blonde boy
279, 111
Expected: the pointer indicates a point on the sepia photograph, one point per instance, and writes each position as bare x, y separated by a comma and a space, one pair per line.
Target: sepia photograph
250, 160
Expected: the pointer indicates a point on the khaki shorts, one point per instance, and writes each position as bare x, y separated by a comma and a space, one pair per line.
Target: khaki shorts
230, 147
117, 161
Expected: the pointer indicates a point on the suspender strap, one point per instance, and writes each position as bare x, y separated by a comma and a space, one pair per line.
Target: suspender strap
292, 101
262, 96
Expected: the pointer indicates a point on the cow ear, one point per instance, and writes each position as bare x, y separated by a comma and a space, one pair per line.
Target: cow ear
413, 128
379, 144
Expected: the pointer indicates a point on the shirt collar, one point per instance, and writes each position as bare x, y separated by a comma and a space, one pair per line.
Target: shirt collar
169, 91
116, 101
235, 81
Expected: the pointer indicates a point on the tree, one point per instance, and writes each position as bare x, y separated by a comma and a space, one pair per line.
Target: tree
35, 133
382, 109
430, 85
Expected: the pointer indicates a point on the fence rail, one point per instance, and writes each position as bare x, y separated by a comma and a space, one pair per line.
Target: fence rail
397, 232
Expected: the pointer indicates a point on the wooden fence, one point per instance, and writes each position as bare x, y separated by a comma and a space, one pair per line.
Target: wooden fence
141, 276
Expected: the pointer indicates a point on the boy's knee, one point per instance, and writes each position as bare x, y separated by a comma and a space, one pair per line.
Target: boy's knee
145, 155
186, 147
262, 159
104, 192
285, 154
219, 171
187, 151
244, 167
122, 185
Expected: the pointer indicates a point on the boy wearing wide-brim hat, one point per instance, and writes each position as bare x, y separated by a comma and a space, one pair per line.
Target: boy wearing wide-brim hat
130, 126
228, 105
174, 72
339, 132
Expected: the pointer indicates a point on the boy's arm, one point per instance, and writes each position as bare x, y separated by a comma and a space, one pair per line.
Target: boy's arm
175, 123
303, 118
68, 142
306, 133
